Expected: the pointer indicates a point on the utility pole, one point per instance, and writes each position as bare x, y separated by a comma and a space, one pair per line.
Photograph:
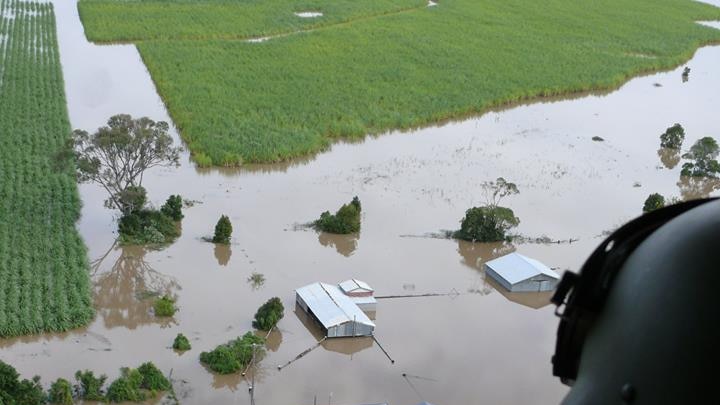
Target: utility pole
252, 383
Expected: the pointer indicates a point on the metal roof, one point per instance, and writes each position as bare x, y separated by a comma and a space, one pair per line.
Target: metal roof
515, 267
331, 306
353, 285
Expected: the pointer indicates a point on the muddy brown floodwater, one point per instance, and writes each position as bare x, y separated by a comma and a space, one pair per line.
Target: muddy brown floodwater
478, 346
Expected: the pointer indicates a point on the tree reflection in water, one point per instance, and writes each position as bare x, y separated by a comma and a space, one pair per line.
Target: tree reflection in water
669, 157
474, 255
222, 253
124, 294
692, 188
344, 244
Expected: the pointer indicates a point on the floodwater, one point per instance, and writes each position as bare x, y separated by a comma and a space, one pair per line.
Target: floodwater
475, 345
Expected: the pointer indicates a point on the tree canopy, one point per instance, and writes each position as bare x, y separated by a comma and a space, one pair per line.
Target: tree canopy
346, 220
653, 202
487, 224
673, 137
269, 314
703, 153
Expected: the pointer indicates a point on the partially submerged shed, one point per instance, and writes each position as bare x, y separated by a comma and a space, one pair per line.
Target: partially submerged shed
360, 293
518, 273
336, 313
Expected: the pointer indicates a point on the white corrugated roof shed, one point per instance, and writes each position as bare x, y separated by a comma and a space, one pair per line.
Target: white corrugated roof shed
330, 306
354, 285
515, 267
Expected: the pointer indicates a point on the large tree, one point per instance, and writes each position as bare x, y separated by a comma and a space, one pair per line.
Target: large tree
116, 157
704, 153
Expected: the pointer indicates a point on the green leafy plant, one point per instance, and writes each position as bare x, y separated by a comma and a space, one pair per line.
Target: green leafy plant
223, 230
181, 343
90, 387
126, 387
345, 221
60, 392
164, 306
232, 356
152, 379
703, 153
487, 224
269, 314
14, 391
147, 227
173, 207
653, 202
673, 137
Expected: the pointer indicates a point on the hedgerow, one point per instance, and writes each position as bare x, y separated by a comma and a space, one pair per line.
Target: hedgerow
44, 281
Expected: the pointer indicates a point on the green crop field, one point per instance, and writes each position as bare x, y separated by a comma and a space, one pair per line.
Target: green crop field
44, 281
235, 101
133, 20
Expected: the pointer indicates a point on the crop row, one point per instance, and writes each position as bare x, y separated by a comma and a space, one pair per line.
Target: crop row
44, 281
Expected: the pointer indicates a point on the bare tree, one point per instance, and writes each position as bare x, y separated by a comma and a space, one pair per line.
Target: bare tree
497, 190
116, 157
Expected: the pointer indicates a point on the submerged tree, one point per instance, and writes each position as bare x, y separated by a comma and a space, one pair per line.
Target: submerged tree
269, 314
653, 202
345, 221
223, 230
116, 156
703, 153
490, 223
496, 190
673, 137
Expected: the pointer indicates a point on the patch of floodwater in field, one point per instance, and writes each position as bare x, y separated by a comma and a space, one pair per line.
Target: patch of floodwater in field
308, 14
431, 3
452, 349
711, 24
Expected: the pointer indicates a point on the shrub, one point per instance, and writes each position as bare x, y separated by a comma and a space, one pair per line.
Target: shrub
181, 343
653, 202
147, 226
90, 387
173, 207
487, 224
60, 392
232, 356
269, 314
126, 387
152, 378
703, 152
345, 221
223, 230
164, 306
673, 137
16, 391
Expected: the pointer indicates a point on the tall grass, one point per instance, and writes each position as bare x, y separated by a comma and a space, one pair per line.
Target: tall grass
44, 281
257, 102
134, 20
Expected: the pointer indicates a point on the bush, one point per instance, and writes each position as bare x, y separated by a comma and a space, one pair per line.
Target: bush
173, 208
126, 387
345, 221
269, 314
164, 306
487, 224
232, 356
60, 392
15, 391
673, 137
152, 379
653, 202
147, 226
223, 230
181, 343
90, 387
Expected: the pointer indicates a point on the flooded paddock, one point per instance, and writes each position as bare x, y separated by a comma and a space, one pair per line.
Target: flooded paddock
474, 345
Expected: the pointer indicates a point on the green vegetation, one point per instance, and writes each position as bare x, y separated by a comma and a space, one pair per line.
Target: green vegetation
90, 387
223, 230
181, 343
153, 380
236, 102
345, 221
44, 282
60, 392
164, 306
653, 202
673, 137
232, 356
173, 208
703, 153
269, 314
136, 385
125, 21
146, 226
14, 391
487, 224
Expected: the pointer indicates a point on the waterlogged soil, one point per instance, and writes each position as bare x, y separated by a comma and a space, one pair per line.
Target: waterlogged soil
475, 345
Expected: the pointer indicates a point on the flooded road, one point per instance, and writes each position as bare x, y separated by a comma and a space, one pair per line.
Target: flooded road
477, 346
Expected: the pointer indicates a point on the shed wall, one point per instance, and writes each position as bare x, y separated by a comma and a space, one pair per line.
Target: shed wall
490, 272
535, 284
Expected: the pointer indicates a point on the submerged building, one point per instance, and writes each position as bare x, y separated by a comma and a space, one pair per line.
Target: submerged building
334, 311
518, 273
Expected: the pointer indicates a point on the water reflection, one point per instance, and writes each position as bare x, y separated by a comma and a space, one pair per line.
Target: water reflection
669, 157
223, 253
533, 300
474, 255
347, 346
123, 294
343, 244
692, 188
